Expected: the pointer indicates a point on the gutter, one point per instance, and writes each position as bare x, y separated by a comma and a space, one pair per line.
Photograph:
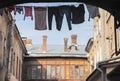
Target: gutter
104, 62
115, 27
100, 70
92, 75
111, 59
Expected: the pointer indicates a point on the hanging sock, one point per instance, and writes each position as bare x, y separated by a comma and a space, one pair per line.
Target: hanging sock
28, 12
40, 18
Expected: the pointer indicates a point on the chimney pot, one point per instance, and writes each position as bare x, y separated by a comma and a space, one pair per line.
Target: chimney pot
74, 39
28, 41
65, 44
24, 40
44, 46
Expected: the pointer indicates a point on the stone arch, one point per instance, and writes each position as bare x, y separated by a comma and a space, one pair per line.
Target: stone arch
111, 6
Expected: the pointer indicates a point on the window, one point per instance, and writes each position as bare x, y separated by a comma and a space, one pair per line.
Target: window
20, 70
34, 72
81, 70
55, 72
48, 71
17, 67
52, 72
76, 72
60, 72
72, 72
14, 64
43, 73
11, 66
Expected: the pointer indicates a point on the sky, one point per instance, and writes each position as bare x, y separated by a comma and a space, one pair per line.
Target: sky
26, 28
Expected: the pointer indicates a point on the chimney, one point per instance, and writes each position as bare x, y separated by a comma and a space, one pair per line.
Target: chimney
28, 41
24, 40
74, 39
44, 46
65, 44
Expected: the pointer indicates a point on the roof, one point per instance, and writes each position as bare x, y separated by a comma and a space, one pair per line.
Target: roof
57, 55
93, 75
112, 73
37, 48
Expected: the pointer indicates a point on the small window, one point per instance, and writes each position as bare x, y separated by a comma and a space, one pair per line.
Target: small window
34, 72
48, 72
81, 70
52, 72
72, 71
60, 72
76, 72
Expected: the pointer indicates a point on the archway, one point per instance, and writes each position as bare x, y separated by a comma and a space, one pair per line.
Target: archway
105, 4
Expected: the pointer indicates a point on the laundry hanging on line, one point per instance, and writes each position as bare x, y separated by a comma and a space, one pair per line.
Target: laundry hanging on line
11, 8
52, 11
59, 12
40, 18
1, 11
76, 15
19, 9
93, 11
28, 12
76, 18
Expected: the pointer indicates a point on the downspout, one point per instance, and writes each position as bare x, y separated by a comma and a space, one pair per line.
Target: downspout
12, 22
99, 69
102, 72
104, 62
115, 26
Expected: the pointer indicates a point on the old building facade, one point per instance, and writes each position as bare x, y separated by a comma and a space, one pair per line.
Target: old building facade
3, 44
104, 49
57, 68
53, 63
89, 48
12, 49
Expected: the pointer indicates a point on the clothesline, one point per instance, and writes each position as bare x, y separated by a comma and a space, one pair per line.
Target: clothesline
49, 4
74, 15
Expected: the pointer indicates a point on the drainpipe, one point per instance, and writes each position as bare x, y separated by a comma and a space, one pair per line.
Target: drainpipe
104, 62
102, 72
99, 69
115, 26
12, 23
